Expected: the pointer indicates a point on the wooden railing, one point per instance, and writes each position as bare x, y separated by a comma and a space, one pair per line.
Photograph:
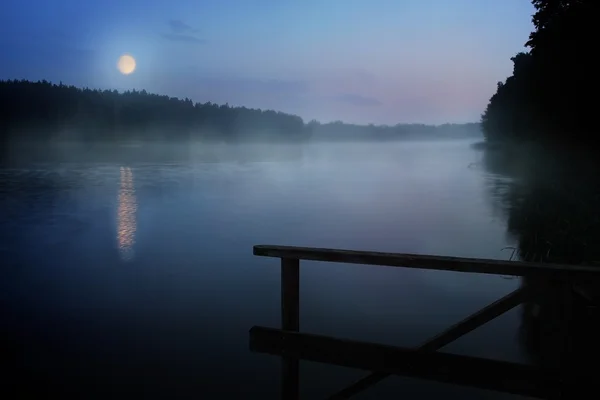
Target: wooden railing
423, 361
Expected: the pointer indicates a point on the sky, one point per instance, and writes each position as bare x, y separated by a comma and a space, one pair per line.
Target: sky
359, 61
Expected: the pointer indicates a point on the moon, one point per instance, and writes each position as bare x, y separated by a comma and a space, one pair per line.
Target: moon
126, 64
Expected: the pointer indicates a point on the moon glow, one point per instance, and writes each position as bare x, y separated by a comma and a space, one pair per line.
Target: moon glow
126, 64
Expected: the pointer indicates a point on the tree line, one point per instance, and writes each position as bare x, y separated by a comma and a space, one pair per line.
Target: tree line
43, 111
340, 131
548, 97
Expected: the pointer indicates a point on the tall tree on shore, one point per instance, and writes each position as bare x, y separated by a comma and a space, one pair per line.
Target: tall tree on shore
549, 94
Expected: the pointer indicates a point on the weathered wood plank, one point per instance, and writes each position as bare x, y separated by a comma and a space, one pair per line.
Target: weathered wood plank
458, 264
442, 367
457, 330
290, 321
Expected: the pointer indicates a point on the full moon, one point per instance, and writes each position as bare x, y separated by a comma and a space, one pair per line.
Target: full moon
126, 64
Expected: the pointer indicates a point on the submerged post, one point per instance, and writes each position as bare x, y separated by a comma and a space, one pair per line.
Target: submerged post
290, 294
290, 321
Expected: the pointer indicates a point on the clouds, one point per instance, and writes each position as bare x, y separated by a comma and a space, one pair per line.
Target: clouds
175, 37
251, 92
358, 100
181, 27
182, 32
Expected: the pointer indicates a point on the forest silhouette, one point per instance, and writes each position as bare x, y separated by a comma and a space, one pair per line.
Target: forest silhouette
542, 117
540, 130
43, 111
548, 96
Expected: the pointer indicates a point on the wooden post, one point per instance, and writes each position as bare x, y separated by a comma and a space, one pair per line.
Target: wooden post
290, 321
290, 294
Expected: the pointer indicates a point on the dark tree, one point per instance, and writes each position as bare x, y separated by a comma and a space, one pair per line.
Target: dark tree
549, 97
546, 107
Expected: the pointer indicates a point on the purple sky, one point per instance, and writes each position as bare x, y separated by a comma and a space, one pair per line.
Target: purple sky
374, 61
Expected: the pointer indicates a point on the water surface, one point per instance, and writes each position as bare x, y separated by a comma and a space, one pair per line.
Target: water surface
138, 277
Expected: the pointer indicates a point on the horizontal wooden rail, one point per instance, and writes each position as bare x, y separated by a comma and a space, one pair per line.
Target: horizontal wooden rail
422, 362
442, 367
457, 264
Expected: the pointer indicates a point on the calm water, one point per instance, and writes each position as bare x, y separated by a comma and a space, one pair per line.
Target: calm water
138, 278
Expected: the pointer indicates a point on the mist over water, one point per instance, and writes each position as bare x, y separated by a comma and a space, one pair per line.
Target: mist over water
136, 269
128, 216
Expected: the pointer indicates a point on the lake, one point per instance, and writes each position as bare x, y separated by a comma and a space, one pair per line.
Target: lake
137, 278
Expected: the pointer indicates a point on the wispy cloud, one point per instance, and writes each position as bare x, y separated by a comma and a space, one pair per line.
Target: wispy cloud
229, 88
358, 100
182, 32
179, 26
175, 37
275, 94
